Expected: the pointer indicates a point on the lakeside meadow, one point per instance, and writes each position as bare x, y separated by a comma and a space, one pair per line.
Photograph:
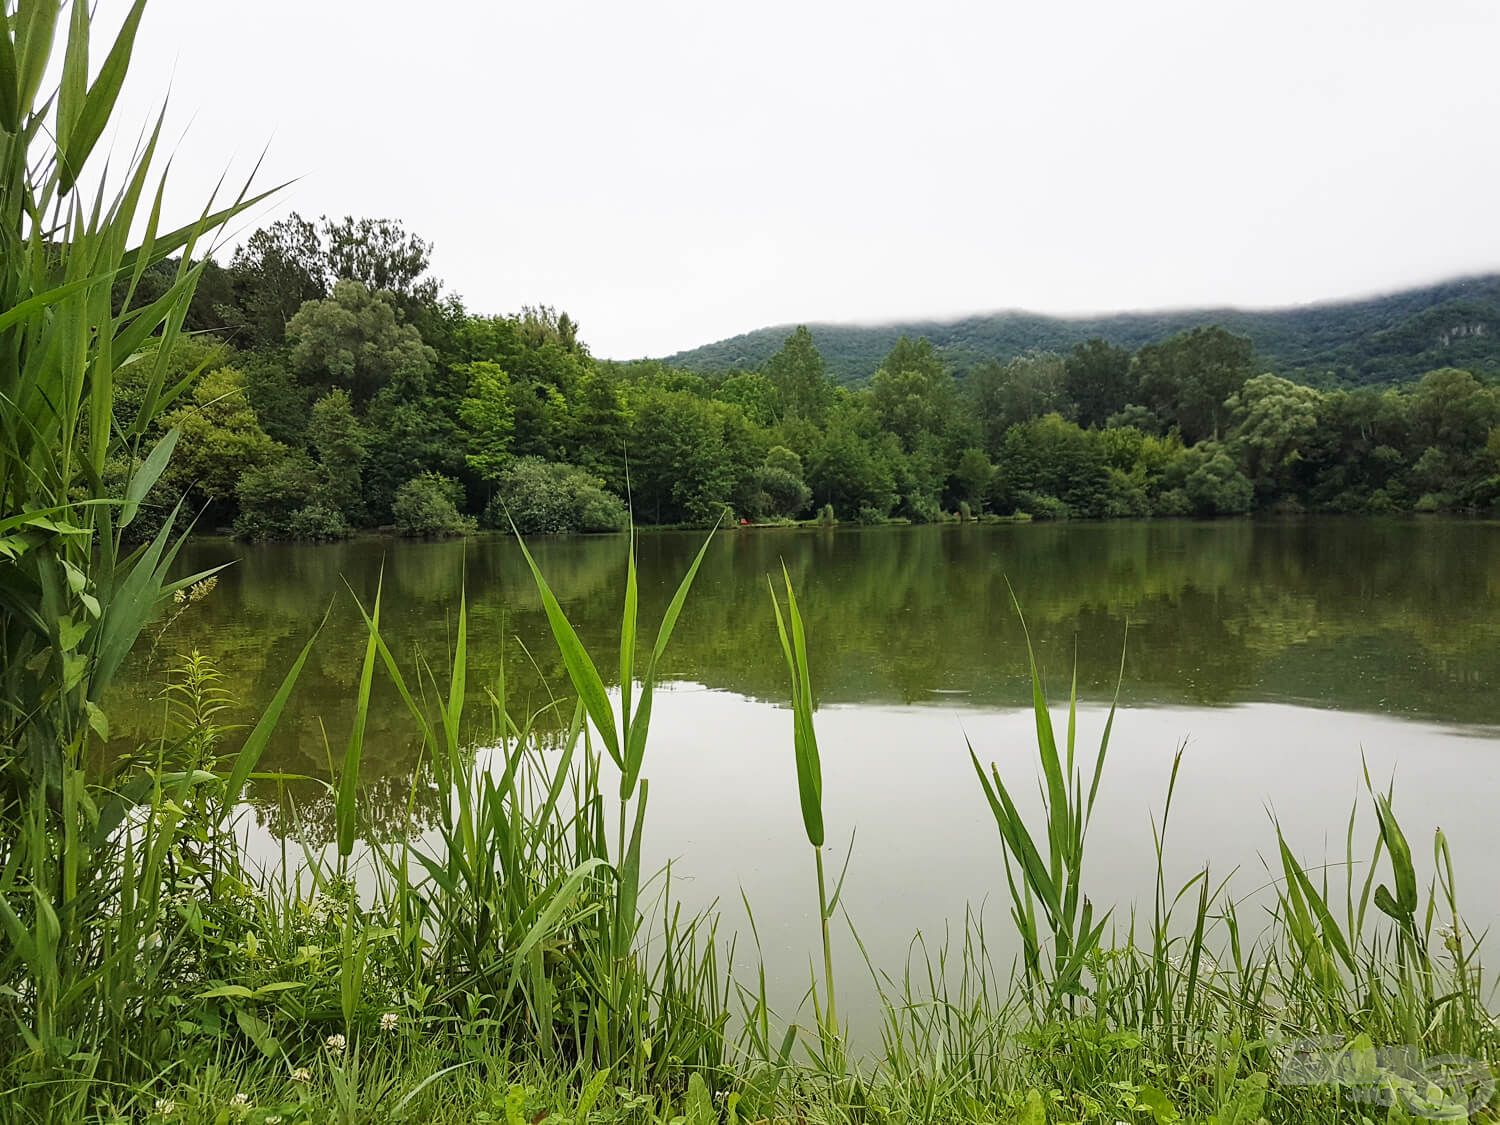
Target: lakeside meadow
389, 831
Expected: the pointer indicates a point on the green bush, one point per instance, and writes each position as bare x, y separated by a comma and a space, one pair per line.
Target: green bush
773, 492
1125, 494
1173, 502
1041, 506
428, 505
920, 507
1213, 482
318, 521
548, 498
272, 494
599, 510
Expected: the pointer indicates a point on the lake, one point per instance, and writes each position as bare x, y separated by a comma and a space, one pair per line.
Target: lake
1280, 654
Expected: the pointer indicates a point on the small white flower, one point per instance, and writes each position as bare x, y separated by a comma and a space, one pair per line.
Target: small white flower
302, 1074
165, 1107
389, 1021
336, 1043
274, 1119
240, 1101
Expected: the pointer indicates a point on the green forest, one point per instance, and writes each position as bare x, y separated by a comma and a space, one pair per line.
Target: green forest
1393, 338
328, 384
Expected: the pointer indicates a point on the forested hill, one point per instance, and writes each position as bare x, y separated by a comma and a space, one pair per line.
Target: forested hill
1387, 339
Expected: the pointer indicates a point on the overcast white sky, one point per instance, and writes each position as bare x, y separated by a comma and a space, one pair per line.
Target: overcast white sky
672, 173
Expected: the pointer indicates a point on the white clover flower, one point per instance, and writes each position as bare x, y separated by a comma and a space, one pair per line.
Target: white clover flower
389, 1021
336, 1043
302, 1074
165, 1107
240, 1101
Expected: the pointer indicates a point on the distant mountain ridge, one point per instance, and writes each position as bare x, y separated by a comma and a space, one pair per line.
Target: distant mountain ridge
1390, 338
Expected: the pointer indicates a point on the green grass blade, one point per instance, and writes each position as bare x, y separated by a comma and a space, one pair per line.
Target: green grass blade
255, 743
348, 783
674, 608
580, 666
100, 102
142, 480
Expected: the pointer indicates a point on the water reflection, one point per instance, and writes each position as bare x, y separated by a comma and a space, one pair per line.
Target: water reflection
1391, 617
1287, 655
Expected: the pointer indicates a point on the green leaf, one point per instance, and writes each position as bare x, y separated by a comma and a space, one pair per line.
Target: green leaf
36, 27
1162, 1111
1247, 1102
27, 309
1033, 1112
699, 1105
142, 480
255, 743
278, 986
674, 608
548, 919
226, 992
591, 1091
580, 666
627, 639
258, 1031
10, 93
98, 721
344, 804
100, 102
804, 735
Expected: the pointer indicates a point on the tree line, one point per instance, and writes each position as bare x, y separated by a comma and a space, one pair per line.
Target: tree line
328, 383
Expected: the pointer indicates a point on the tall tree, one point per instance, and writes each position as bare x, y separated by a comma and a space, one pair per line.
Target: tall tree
220, 439
380, 254
1275, 420
1096, 376
911, 392
357, 338
1188, 377
489, 419
276, 271
342, 446
1002, 395
799, 376
597, 427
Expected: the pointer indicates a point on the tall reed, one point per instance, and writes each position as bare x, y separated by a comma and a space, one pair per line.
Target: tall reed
793, 637
80, 870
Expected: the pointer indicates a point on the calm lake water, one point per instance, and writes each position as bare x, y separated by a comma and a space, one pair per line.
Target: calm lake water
1280, 653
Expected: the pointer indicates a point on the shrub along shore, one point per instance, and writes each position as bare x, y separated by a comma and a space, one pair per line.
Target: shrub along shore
517, 964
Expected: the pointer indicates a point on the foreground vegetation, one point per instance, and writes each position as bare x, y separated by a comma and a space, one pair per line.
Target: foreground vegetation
517, 963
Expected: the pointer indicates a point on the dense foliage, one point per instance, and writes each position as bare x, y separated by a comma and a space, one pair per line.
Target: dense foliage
338, 374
